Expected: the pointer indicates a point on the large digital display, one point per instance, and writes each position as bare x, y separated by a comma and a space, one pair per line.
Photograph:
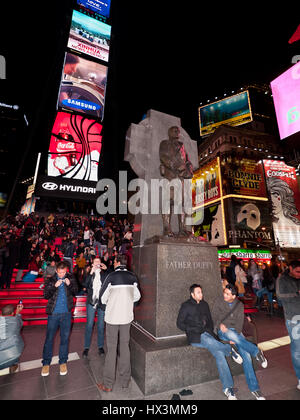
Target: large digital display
233, 111
75, 147
89, 36
286, 95
100, 7
83, 86
285, 198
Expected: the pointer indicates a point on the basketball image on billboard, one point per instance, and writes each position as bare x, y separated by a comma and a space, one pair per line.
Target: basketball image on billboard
75, 147
89, 36
233, 111
83, 86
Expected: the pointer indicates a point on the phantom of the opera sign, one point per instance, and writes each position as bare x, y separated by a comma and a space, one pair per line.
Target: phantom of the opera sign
248, 221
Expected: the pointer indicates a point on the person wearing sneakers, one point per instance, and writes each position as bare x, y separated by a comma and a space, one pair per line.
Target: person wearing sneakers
195, 320
288, 291
229, 324
59, 291
119, 293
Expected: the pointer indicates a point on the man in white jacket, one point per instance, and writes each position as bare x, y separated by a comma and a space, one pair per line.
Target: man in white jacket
119, 292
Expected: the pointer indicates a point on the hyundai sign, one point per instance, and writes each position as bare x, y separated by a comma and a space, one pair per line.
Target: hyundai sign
65, 188
286, 95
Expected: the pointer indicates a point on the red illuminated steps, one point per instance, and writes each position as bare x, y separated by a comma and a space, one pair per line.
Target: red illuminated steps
32, 295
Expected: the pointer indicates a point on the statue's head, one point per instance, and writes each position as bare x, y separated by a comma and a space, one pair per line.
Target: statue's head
174, 133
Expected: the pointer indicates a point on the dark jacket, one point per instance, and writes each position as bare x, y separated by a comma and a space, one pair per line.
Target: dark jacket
51, 292
287, 290
195, 319
88, 284
222, 315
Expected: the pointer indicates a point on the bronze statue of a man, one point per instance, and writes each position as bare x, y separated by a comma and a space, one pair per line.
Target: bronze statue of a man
174, 164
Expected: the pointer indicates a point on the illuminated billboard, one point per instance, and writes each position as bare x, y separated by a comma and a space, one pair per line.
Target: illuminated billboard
89, 36
208, 181
75, 147
3, 199
285, 198
212, 226
243, 177
248, 221
99, 7
286, 96
233, 111
83, 86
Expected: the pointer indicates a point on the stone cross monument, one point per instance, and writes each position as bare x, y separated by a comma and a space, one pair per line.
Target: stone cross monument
166, 265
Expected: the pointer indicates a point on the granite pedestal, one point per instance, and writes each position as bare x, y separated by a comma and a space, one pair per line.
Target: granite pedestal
161, 357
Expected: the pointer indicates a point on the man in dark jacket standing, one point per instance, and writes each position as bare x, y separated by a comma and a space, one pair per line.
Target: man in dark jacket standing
288, 291
59, 290
195, 319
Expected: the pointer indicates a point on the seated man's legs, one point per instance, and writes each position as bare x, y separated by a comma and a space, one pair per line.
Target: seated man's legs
240, 341
219, 351
245, 349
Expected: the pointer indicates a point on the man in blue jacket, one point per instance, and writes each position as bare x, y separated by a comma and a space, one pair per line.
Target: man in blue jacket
59, 290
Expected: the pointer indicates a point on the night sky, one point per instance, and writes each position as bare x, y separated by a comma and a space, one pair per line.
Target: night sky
166, 55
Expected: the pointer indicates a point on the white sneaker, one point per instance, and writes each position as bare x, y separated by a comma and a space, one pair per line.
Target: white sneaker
236, 356
229, 392
262, 360
258, 395
298, 386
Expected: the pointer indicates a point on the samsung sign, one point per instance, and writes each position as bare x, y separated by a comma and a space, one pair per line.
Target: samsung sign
66, 188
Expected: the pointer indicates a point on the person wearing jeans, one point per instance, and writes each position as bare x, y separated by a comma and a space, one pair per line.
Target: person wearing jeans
92, 285
194, 318
229, 324
220, 351
59, 290
288, 291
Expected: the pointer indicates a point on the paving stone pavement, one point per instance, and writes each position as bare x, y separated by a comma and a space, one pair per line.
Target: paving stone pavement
278, 381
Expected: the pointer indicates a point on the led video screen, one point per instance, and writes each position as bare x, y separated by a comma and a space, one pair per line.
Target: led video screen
233, 111
83, 86
286, 96
89, 36
75, 147
100, 7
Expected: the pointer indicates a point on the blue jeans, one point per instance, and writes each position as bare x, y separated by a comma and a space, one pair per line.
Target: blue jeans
219, 351
55, 321
265, 291
294, 333
90, 314
246, 349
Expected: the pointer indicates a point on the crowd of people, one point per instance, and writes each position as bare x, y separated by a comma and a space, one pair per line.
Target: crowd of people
36, 243
93, 256
257, 280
